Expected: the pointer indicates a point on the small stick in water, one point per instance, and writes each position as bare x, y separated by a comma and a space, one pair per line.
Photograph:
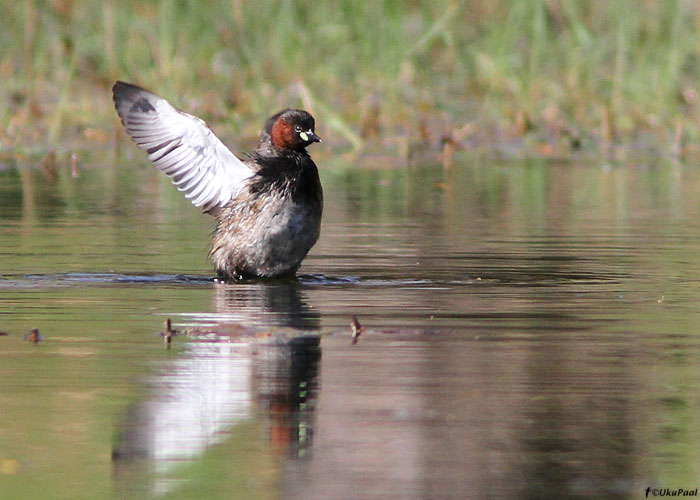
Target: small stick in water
168, 333
33, 335
74, 166
356, 329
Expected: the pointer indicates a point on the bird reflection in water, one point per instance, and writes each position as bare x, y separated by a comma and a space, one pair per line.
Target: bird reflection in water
285, 383
228, 374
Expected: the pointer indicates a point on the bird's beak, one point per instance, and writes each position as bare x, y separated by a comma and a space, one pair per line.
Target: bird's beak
313, 137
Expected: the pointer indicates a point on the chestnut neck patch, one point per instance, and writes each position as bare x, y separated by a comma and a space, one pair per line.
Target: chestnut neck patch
282, 134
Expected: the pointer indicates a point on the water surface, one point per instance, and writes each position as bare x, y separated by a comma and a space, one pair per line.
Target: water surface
529, 331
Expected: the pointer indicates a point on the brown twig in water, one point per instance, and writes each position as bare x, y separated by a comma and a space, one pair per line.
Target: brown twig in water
168, 334
33, 335
356, 329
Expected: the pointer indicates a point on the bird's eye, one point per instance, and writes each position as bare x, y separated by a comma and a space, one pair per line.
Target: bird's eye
297, 128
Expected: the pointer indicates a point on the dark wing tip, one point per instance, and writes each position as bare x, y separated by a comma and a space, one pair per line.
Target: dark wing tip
125, 91
130, 98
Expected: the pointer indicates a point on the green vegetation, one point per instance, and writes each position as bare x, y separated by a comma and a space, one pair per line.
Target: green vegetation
522, 76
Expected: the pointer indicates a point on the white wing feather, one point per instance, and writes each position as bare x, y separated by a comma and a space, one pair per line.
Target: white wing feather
182, 146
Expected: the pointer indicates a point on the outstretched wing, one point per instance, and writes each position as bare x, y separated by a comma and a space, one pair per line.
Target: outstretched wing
182, 146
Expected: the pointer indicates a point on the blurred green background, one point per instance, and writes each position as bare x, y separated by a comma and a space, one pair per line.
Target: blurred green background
543, 77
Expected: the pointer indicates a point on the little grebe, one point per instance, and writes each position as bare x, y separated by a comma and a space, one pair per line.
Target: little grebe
268, 207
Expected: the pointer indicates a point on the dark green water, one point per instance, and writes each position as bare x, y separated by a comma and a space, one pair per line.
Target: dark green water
531, 330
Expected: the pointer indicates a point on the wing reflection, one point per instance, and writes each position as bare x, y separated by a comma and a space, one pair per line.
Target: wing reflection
194, 401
